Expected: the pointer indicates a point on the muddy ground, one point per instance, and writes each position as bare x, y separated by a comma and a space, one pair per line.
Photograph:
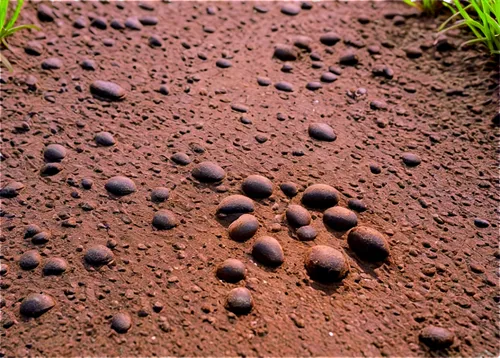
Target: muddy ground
407, 93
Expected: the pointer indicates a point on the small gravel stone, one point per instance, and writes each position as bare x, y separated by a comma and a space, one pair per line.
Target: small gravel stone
30, 260
11, 190
107, 90
290, 9
121, 322
306, 233
340, 219
267, 250
55, 266
54, 153
223, 63
164, 220
235, 204
159, 195
231, 271
120, 186
289, 189
410, 159
322, 131
368, 244
283, 86
41, 238
481, 223
257, 187
180, 158
285, 52
36, 304
208, 172
98, 255
320, 196
239, 301
243, 228
326, 264
329, 39
297, 216
104, 139
356, 205
436, 337
52, 63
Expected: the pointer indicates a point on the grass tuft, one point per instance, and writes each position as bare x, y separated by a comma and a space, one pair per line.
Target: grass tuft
7, 27
482, 17
429, 7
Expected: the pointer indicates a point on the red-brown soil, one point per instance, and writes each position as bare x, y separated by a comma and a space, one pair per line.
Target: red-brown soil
442, 269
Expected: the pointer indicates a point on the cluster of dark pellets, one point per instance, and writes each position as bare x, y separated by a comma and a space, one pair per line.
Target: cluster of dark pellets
322, 263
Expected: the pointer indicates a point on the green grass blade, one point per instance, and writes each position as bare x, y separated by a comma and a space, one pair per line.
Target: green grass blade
4, 8
20, 27
14, 17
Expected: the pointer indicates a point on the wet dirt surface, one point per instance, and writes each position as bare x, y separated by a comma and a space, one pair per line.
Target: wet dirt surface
111, 242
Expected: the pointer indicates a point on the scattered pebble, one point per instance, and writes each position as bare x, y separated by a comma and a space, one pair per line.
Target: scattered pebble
243, 228
297, 216
368, 244
322, 131
339, 218
231, 271
164, 220
257, 187
239, 301
267, 251
98, 255
121, 322
326, 264
120, 186
208, 172
436, 337
320, 196
30, 260
36, 304
235, 204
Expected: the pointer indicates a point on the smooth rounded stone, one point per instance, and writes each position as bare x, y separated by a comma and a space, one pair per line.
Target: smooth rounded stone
87, 183
329, 39
496, 120
322, 131
165, 220
104, 139
107, 90
30, 260
159, 195
211, 10
99, 23
98, 255
410, 159
235, 204
243, 228
208, 172
306, 5
33, 48
55, 266
356, 205
326, 264
314, 86
238, 107
31, 230
297, 216
120, 186
51, 169
245, 120
155, 41
108, 42
36, 304
80, 23
223, 63
289, 189
481, 223
287, 68
284, 86
148, 20
290, 9
368, 244
164, 90
335, 70
348, 58
340, 219
11, 190
257, 187
180, 158
413, 52
41, 238
303, 42
328, 77
375, 168
117, 24
133, 23
260, 9
231, 271
306, 233
263, 81
45, 13
239, 301
378, 105
54, 153
121, 322
320, 196
267, 251
436, 337
89, 65
52, 63
285, 52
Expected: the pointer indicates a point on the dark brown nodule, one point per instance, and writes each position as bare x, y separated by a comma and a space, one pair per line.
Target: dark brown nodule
107, 90
326, 264
368, 244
